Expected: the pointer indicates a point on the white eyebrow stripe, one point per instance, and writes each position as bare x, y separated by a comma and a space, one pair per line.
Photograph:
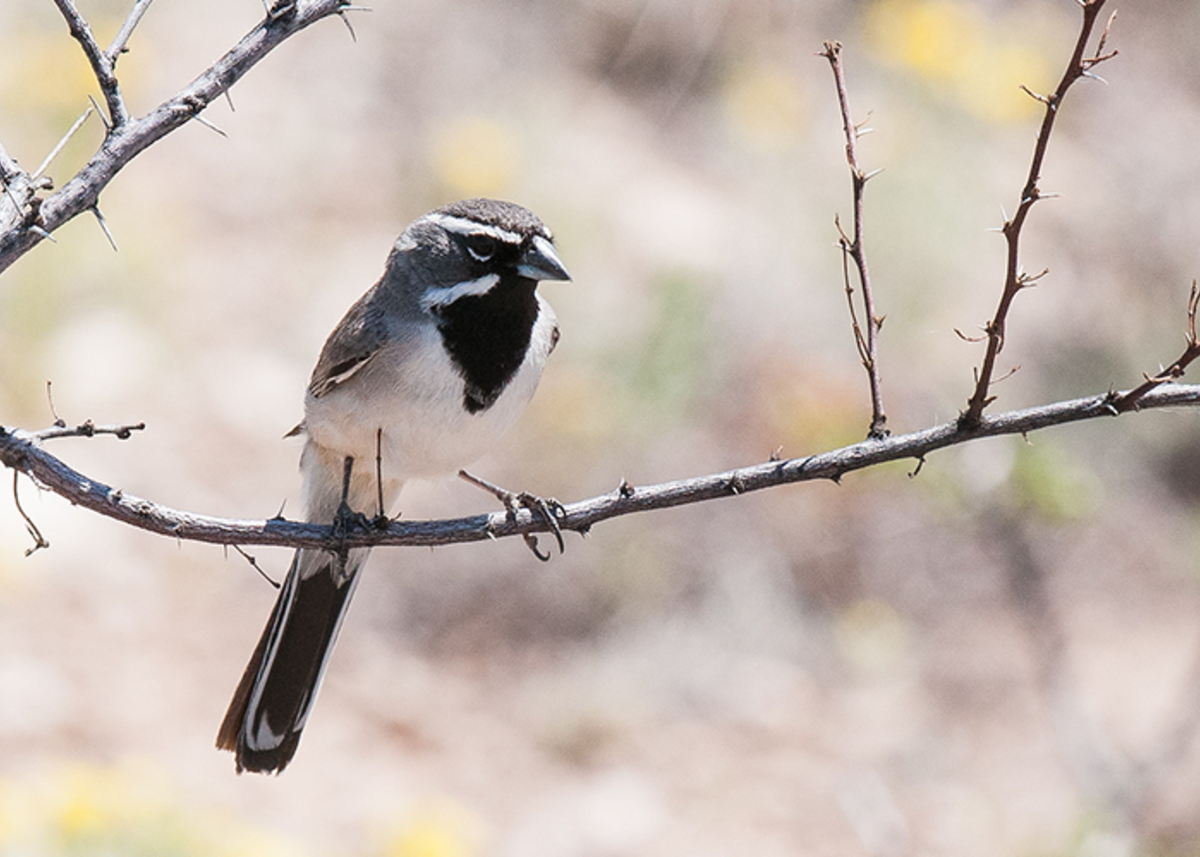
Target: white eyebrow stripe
466, 226
447, 295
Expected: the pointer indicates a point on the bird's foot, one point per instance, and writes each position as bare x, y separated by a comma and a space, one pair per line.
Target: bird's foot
548, 510
346, 521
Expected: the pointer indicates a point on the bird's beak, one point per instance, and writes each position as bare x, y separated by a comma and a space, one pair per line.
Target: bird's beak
541, 262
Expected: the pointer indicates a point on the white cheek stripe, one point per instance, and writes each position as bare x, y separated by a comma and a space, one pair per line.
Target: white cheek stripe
466, 226
449, 294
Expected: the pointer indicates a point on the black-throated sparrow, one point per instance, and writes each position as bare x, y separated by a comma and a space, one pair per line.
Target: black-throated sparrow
425, 371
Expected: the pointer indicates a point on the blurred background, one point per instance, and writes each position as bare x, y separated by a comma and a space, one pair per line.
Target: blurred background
1000, 656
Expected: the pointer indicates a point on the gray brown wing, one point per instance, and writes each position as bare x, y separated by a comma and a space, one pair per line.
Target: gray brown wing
356, 339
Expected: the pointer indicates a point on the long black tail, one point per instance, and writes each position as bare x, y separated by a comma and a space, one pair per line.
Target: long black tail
271, 703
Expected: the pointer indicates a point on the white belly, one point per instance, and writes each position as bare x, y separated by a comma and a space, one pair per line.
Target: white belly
415, 396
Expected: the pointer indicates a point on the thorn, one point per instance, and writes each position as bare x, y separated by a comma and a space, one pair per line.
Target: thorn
58, 421
1035, 96
37, 230
1112, 19
210, 126
100, 113
354, 38
866, 178
104, 226
229, 101
63, 142
1007, 375
1024, 279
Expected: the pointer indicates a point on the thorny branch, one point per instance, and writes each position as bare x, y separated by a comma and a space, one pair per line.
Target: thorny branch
23, 451
119, 43
1015, 279
27, 217
852, 248
103, 66
1130, 401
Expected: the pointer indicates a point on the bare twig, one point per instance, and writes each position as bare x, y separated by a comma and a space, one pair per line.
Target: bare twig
254, 565
852, 248
22, 451
1014, 280
39, 541
1129, 401
101, 63
85, 429
34, 219
118, 46
59, 422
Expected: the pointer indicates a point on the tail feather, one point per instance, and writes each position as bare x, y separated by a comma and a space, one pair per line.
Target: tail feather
271, 703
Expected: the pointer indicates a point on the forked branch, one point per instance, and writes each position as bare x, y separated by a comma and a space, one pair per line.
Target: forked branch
1131, 401
27, 217
1015, 279
23, 451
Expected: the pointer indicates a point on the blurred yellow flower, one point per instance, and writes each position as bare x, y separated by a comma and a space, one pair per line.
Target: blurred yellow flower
121, 809
89, 800
475, 155
959, 50
439, 828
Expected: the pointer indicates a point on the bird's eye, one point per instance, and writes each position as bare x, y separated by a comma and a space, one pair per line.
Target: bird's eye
482, 247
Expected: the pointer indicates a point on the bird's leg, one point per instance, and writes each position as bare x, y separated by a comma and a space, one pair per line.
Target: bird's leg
381, 519
345, 519
548, 509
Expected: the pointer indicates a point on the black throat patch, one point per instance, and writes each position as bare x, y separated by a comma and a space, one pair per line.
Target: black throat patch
487, 337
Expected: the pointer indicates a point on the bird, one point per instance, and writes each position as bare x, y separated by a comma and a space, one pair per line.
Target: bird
423, 374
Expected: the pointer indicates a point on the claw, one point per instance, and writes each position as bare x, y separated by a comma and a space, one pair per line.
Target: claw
548, 510
531, 542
